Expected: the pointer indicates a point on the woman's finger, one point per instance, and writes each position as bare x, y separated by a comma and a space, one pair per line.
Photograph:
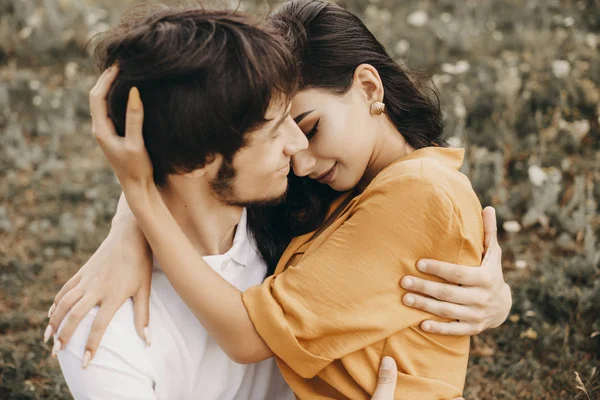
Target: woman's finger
100, 91
62, 309
464, 295
71, 283
134, 121
103, 317
442, 309
454, 273
102, 127
386, 380
454, 328
74, 317
141, 313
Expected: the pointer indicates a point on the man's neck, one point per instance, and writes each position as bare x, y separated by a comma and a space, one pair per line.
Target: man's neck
209, 223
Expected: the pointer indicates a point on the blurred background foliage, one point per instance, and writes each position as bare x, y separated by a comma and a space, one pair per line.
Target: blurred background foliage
519, 86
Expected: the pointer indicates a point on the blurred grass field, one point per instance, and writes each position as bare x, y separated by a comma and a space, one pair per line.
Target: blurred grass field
519, 83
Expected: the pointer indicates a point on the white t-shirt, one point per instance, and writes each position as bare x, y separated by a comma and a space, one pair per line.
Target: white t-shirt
183, 362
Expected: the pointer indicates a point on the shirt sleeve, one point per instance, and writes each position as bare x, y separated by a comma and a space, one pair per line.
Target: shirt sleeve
112, 374
347, 294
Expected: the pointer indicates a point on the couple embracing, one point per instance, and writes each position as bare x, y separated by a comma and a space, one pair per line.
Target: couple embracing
286, 190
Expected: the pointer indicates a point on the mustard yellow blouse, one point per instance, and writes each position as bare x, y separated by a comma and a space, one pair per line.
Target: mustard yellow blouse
333, 308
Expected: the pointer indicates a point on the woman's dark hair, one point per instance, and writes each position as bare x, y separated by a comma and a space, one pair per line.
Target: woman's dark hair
329, 43
202, 76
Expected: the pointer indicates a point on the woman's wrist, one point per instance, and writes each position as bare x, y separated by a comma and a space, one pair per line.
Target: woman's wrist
141, 198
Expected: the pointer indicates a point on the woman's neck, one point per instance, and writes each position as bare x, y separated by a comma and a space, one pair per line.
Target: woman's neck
390, 146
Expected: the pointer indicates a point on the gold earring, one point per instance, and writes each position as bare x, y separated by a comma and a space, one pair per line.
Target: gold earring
377, 108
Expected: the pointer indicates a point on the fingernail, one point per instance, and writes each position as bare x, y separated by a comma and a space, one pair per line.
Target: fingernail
86, 359
147, 336
407, 283
426, 327
409, 300
51, 310
56, 348
135, 103
47, 333
422, 266
387, 363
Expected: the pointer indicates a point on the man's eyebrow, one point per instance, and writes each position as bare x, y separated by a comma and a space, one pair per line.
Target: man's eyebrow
280, 122
300, 117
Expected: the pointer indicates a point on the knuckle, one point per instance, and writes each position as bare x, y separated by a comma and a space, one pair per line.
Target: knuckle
445, 312
479, 317
444, 293
75, 315
420, 303
457, 274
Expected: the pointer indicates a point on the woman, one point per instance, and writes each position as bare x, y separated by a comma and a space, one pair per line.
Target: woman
345, 71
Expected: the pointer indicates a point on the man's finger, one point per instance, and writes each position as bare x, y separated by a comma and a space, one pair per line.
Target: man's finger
442, 291
440, 308
453, 328
134, 121
490, 227
451, 272
386, 381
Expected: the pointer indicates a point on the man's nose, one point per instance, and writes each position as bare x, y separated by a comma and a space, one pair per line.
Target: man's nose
295, 139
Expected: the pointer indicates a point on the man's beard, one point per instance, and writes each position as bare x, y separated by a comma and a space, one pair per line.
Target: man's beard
224, 190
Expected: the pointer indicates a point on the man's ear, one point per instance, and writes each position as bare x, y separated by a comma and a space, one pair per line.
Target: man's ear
368, 82
210, 168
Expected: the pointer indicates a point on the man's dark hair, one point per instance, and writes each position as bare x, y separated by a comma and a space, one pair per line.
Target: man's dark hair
206, 78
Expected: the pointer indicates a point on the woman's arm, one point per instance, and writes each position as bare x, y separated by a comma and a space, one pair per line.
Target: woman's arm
119, 269
216, 303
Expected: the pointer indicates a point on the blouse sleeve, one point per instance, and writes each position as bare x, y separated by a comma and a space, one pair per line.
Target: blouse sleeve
347, 295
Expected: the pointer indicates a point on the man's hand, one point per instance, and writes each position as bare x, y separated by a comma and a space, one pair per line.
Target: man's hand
482, 301
386, 382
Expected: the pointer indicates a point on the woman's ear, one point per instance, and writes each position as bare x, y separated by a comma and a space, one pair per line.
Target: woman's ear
368, 82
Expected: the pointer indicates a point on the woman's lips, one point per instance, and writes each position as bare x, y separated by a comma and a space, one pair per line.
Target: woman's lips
328, 176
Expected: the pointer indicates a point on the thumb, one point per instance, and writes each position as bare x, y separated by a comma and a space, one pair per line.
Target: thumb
141, 312
490, 226
490, 229
386, 382
134, 120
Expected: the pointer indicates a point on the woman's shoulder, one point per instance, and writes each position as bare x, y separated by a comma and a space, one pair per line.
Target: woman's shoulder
428, 169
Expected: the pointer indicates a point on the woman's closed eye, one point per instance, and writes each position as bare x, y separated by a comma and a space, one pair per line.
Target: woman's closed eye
310, 134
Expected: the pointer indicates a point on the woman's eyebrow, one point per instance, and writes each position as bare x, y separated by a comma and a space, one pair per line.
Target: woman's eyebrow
300, 117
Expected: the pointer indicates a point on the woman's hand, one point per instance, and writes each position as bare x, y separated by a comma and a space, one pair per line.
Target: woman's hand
121, 268
126, 155
482, 301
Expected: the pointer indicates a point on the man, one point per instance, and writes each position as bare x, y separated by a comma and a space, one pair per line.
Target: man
215, 110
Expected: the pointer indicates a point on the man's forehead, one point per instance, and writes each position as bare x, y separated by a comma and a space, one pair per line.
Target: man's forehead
280, 105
